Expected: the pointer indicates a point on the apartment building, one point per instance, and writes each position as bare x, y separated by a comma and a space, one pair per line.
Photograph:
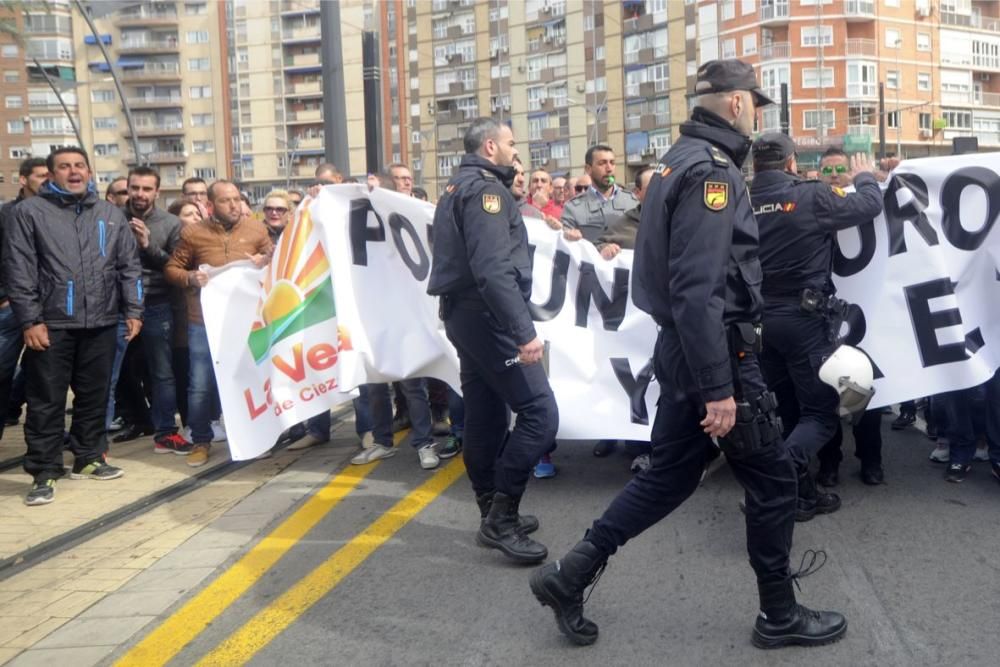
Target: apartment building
170, 56
933, 60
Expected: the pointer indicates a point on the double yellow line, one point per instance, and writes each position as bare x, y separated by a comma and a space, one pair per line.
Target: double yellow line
168, 639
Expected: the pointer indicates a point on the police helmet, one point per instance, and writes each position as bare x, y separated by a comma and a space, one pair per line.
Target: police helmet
850, 372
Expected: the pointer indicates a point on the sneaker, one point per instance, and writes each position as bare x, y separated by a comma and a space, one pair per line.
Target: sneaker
982, 454
428, 457
308, 441
186, 434
374, 453
367, 440
640, 463
450, 447
903, 420
941, 453
956, 473
42, 493
96, 470
218, 431
199, 455
172, 444
441, 427
117, 424
545, 469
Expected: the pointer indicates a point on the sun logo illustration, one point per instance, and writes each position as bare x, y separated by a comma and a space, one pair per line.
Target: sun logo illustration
296, 292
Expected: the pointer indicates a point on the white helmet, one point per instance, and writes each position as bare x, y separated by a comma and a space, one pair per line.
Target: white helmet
850, 372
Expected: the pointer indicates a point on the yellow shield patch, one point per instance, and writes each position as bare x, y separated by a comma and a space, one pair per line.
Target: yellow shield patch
491, 203
838, 191
716, 195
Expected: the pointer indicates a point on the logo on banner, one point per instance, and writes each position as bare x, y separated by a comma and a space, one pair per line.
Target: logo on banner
716, 195
297, 291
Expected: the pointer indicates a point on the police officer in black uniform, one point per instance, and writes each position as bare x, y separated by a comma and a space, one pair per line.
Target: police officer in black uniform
696, 271
798, 221
482, 272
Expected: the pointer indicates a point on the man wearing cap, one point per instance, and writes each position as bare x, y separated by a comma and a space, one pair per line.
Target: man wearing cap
696, 271
798, 220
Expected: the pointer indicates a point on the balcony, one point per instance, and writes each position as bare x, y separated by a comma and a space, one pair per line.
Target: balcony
971, 98
147, 129
156, 102
149, 46
161, 157
153, 72
861, 47
970, 21
302, 34
303, 60
869, 131
859, 10
775, 51
307, 144
305, 116
980, 61
861, 90
52, 131
774, 13
306, 88
145, 17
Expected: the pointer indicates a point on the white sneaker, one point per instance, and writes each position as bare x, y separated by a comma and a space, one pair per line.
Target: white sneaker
367, 440
982, 454
428, 457
374, 454
941, 454
309, 440
186, 432
218, 431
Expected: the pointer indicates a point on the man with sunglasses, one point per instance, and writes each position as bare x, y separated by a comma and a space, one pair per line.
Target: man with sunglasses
798, 221
835, 168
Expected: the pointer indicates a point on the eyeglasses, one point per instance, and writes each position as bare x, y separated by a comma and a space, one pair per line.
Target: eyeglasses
580, 188
280, 210
828, 171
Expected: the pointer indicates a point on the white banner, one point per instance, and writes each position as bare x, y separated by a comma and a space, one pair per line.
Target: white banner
344, 302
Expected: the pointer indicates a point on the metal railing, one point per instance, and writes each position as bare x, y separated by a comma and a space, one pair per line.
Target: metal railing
970, 21
774, 51
861, 47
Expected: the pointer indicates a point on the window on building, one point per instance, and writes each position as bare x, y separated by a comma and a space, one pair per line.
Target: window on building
923, 81
813, 36
9, 51
747, 7
893, 38
200, 92
892, 79
197, 37
924, 121
956, 119
15, 127
862, 114
105, 122
199, 64
50, 49
728, 10
811, 120
206, 173
750, 44
11, 76
105, 149
811, 77
923, 41
19, 153
861, 79
201, 119
892, 120
195, 8
729, 48
13, 101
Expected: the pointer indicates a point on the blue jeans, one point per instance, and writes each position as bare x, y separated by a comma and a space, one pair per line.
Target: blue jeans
963, 411
11, 343
415, 390
156, 343
363, 411
456, 410
120, 346
202, 392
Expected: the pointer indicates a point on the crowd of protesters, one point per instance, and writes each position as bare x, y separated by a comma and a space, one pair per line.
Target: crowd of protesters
101, 296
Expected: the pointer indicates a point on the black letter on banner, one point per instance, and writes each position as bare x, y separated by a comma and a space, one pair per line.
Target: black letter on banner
430, 235
361, 233
896, 216
635, 387
951, 195
557, 294
419, 269
856, 329
612, 310
926, 323
843, 266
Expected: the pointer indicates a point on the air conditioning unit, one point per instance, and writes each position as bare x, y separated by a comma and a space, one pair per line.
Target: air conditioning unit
926, 134
924, 11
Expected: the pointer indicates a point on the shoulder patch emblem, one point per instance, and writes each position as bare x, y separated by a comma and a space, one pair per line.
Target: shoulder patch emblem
716, 195
491, 203
662, 170
718, 157
838, 191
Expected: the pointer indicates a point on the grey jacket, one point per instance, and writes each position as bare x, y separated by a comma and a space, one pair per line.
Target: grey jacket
592, 214
71, 262
164, 235
6, 218
622, 231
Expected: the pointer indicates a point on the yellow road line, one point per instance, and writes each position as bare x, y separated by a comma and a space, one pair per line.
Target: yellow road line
186, 623
269, 622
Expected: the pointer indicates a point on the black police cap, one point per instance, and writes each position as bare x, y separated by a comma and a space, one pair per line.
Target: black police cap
719, 76
773, 147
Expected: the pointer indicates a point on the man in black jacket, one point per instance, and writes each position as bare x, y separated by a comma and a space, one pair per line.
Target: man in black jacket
70, 266
696, 272
31, 176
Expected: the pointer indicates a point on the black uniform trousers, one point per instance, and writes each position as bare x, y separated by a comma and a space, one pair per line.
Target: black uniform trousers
77, 358
679, 447
495, 458
867, 443
795, 346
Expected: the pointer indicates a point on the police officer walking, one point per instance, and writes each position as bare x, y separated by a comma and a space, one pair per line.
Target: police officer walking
798, 220
482, 272
696, 271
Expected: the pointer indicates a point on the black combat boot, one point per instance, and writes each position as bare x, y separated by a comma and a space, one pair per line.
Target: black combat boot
526, 522
783, 622
811, 501
500, 530
560, 585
